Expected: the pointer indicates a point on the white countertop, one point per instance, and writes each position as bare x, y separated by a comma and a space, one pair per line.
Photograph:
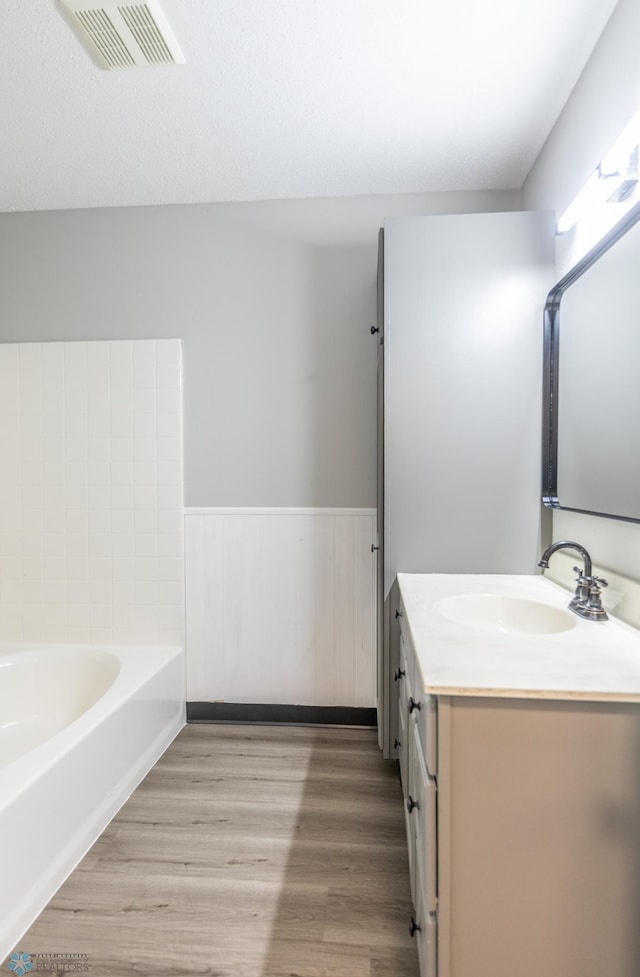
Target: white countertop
596, 661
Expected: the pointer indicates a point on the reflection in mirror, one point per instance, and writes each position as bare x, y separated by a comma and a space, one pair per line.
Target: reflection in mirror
592, 381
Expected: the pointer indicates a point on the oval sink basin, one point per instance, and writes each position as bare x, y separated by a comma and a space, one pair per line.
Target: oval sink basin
505, 615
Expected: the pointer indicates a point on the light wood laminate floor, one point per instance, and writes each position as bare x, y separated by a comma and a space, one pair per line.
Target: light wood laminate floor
248, 851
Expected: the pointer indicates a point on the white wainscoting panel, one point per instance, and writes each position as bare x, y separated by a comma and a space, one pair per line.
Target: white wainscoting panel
281, 606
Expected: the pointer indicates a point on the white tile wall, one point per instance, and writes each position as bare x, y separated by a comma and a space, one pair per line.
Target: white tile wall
91, 528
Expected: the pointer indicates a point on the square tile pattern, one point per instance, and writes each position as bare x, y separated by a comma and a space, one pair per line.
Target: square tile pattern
91, 492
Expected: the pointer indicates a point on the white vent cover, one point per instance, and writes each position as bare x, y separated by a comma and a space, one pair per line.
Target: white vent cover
125, 35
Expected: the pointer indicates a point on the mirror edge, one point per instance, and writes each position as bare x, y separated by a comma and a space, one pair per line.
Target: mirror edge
551, 352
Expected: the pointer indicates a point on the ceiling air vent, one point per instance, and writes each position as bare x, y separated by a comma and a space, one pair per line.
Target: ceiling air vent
131, 35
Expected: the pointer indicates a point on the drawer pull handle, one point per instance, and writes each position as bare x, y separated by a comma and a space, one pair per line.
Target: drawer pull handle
396, 744
400, 673
413, 704
414, 927
411, 804
398, 614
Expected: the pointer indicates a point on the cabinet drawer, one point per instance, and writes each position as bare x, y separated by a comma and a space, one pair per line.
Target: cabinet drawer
403, 680
423, 792
426, 849
420, 707
413, 800
411, 853
402, 621
423, 711
407, 644
425, 708
428, 946
417, 774
402, 745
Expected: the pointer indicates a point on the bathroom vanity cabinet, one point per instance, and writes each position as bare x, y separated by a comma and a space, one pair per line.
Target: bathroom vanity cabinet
523, 825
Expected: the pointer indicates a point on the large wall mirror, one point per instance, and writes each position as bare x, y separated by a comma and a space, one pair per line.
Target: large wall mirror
592, 381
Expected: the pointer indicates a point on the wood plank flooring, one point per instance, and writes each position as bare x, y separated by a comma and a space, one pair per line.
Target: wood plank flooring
246, 852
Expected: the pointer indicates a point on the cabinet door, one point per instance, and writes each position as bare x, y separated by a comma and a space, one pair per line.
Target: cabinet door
426, 935
543, 839
402, 681
463, 298
402, 743
411, 779
424, 788
384, 693
463, 301
424, 855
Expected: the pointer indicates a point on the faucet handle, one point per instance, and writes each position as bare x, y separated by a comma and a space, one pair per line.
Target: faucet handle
583, 584
593, 609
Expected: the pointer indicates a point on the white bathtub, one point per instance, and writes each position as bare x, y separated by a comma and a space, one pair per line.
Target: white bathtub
79, 729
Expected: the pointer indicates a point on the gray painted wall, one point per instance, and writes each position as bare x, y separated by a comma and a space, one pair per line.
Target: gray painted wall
605, 98
274, 302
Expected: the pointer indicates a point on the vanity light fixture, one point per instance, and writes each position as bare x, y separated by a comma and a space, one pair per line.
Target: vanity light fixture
614, 181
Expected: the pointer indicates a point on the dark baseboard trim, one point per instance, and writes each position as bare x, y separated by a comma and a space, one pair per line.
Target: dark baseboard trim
276, 714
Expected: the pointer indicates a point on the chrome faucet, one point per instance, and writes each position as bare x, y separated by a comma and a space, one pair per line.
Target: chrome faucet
586, 601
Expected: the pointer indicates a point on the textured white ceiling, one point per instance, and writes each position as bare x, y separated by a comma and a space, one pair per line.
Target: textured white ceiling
289, 98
